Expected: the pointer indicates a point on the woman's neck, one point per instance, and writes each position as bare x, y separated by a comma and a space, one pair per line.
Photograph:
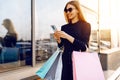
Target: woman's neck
74, 20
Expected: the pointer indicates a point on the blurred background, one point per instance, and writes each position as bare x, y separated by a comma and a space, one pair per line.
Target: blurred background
103, 15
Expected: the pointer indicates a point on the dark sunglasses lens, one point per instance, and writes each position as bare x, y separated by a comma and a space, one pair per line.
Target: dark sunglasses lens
69, 9
65, 10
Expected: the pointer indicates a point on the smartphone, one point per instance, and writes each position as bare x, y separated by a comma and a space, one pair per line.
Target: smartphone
54, 28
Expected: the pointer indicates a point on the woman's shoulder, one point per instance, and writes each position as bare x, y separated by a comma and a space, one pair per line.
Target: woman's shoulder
64, 26
11, 35
85, 23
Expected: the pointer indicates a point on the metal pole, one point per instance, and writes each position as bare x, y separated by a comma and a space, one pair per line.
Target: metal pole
98, 31
33, 31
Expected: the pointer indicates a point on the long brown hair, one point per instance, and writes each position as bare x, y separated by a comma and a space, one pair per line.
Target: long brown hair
10, 27
77, 6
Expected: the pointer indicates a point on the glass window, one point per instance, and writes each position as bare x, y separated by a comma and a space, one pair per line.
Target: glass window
47, 13
15, 34
105, 35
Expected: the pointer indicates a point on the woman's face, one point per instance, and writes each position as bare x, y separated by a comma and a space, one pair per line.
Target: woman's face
71, 12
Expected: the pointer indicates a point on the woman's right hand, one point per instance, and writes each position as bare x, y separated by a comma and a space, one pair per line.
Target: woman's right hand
56, 37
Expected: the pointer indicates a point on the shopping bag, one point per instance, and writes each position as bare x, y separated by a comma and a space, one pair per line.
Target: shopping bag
86, 66
48, 64
55, 71
9, 54
59, 68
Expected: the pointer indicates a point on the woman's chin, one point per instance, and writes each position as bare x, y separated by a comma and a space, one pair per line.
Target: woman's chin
70, 18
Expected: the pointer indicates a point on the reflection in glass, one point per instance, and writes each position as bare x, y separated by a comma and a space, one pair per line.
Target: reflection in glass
11, 36
15, 34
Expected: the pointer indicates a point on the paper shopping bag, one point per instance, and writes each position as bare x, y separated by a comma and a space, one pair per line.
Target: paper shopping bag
59, 68
86, 66
8, 55
48, 64
55, 71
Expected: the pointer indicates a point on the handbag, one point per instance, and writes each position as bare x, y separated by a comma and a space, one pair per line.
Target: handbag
48, 70
86, 66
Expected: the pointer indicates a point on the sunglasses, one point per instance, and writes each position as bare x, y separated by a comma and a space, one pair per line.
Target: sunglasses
69, 9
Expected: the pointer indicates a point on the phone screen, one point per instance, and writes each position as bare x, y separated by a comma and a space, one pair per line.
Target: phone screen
54, 28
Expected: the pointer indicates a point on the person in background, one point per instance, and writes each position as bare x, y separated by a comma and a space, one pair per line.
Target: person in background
10, 38
74, 36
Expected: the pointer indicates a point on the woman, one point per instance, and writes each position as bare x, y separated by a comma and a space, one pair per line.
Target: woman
74, 36
11, 37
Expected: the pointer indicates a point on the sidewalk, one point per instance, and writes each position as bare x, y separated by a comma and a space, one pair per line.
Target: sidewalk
21, 73
28, 71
